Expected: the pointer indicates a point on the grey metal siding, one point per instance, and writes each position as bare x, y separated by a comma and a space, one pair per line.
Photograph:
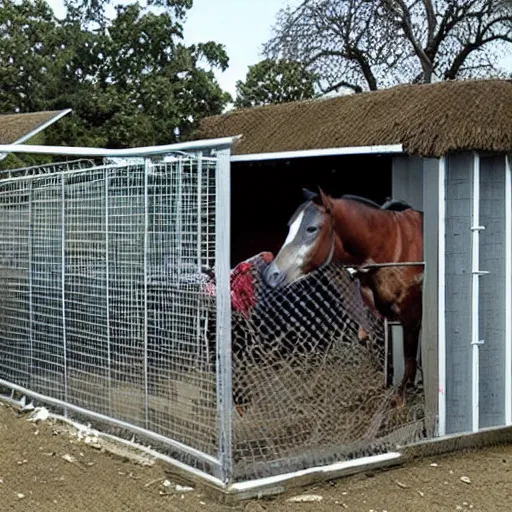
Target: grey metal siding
407, 180
429, 335
492, 292
458, 292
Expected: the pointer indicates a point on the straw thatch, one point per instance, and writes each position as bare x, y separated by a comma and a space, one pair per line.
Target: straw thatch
429, 120
15, 126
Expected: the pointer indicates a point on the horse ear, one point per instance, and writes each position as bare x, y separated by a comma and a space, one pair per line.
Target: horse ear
326, 201
309, 195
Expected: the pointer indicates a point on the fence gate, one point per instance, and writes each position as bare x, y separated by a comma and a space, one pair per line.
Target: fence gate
102, 309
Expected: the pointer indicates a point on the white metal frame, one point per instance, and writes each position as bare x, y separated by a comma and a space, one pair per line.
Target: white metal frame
475, 294
354, 150
222, 464
196, 145
441, 299
223, 291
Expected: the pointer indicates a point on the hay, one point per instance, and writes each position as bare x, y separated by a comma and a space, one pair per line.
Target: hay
429, 120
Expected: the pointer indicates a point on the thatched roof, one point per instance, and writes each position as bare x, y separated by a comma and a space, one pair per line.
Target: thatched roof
16, 128
429, 120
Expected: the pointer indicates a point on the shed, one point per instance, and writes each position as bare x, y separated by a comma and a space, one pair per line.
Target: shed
442, 147
18, 128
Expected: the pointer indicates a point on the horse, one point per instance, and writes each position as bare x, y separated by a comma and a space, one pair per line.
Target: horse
358, 233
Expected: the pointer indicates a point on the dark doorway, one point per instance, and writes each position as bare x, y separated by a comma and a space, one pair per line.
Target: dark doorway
265, 194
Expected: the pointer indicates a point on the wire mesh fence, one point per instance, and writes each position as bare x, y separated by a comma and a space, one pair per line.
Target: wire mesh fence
109, 303
103, 306
310, 381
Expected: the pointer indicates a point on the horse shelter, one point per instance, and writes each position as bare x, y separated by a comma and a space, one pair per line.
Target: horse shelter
132, 295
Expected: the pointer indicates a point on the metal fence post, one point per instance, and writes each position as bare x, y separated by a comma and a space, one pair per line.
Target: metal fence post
147, 164
30, 284
107, 292
223, 299
63, 286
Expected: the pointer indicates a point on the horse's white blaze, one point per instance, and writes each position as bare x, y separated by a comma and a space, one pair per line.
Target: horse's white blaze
294, 229
302, 253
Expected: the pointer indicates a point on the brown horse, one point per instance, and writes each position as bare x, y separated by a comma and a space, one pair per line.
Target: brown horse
359, 233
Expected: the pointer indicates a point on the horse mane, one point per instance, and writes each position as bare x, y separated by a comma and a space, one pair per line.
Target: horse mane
396, 205
362, 200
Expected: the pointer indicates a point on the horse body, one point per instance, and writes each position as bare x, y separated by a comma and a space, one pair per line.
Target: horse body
359, 233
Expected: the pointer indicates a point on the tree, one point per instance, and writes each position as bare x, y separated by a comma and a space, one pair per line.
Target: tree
368, 44
272, 81
130, 81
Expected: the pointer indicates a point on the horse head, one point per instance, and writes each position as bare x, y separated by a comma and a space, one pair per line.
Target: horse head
310, 243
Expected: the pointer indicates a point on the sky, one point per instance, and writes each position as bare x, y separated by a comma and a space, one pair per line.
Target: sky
241, 25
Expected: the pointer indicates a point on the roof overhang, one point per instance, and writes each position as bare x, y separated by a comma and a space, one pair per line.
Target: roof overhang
306, 153
39, 129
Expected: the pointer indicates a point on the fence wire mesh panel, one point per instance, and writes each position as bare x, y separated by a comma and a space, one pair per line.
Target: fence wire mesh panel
309, 368
109, 305
103, 304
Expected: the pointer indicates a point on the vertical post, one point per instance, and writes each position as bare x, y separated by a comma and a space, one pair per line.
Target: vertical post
107, 291
63, 286
508, 292
223, 298
441, 299
147, 164
30, 283
386, 352
179, 219
475, 292
199, 254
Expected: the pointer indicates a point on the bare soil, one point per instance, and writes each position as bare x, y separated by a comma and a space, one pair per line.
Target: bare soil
44, 468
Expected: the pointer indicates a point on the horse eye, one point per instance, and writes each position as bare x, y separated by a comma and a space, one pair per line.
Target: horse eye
311, 229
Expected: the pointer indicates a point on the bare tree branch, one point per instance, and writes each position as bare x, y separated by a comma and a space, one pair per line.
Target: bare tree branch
368, 44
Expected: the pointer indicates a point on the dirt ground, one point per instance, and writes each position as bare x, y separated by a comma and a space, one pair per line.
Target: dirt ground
43, 468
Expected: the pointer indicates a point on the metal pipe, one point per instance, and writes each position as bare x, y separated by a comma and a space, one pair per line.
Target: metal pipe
30, 282
223, 302
219, 144
147, 164
63, 287
107, 291
441, 299
307, 153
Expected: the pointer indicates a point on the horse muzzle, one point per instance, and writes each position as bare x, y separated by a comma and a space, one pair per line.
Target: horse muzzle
273, 276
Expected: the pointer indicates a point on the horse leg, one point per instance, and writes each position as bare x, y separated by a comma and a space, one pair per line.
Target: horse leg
410, 347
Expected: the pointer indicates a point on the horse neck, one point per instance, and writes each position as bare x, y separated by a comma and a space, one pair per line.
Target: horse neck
362, 232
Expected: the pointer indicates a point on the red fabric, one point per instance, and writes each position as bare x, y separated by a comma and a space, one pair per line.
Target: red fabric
243, 283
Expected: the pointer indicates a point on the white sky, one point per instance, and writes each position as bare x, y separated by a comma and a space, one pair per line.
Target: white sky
241, 25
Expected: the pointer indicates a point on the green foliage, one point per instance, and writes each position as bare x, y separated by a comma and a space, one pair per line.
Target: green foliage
130, 81
275, 81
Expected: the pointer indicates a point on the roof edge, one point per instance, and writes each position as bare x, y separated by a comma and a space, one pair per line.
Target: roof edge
43, 126
304, 153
